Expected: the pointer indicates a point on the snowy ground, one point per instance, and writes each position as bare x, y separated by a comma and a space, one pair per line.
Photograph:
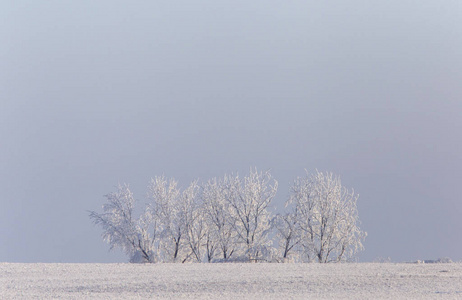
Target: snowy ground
231, 281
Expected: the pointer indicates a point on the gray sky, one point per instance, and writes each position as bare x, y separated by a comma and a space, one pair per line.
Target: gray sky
93, 93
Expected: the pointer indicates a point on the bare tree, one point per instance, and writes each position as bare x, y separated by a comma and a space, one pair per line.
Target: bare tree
121, 229
249, 201
221, 238
287, 234
179, 215
164, 204
192, 212
327, 218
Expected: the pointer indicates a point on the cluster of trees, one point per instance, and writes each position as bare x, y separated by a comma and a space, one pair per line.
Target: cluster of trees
229, 219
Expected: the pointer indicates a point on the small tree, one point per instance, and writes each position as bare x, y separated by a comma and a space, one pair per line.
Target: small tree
287, 235
326, 218
121, 229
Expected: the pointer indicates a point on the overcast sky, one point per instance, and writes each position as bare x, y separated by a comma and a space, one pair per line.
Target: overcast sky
96, 93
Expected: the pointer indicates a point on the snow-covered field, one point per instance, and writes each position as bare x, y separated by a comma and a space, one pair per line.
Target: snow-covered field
231, 281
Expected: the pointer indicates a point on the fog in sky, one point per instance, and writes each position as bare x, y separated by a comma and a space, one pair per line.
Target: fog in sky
96, 93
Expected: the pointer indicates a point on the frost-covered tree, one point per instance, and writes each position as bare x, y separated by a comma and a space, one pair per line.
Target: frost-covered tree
229, 219
171, 228
249, 201
287, 234
326, 218
179, 218
221, 240
192, 211
120, 227
164, 205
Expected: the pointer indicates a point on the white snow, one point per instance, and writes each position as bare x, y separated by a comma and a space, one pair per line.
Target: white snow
231, 281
